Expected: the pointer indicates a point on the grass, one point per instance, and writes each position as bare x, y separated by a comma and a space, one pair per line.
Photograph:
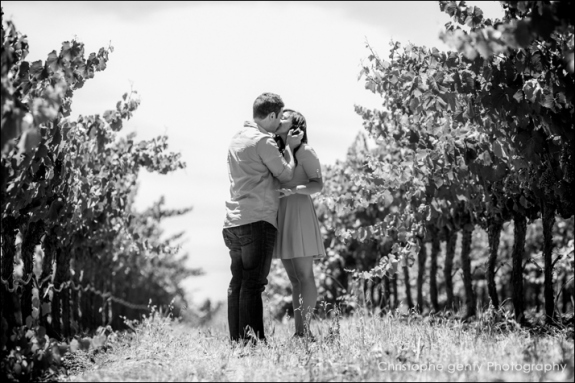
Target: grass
359, 348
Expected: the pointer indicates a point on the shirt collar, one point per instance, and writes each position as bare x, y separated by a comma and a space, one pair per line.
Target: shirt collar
252, 124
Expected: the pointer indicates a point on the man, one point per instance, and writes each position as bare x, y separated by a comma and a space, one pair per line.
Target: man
255, 167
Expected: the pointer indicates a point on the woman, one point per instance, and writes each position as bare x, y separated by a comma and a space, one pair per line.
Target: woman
299, 239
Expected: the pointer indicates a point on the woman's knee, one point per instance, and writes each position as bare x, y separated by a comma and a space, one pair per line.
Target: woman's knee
295, 282
290, 271
304, 269
307, 284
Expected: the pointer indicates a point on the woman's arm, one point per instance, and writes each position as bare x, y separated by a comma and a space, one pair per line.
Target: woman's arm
315, 185
312, 168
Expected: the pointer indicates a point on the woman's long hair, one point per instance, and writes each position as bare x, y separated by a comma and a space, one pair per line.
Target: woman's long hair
298, 122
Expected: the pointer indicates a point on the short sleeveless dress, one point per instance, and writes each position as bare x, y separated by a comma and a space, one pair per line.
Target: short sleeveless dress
299, 234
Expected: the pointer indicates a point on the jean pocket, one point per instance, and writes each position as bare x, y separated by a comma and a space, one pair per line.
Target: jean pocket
227, 240
245, 235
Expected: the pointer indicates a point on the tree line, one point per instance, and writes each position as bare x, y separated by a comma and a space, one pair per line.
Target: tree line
76, 255
467, 144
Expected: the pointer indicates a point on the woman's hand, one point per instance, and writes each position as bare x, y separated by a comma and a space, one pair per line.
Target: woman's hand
294, 138
286, 192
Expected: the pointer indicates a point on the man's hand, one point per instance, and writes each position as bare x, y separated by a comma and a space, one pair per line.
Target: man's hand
286, 192
294, 138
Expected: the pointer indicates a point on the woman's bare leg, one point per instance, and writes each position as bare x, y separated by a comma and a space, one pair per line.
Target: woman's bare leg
300, 273
296, 292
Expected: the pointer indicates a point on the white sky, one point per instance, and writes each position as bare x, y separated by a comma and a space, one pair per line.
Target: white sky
198, 66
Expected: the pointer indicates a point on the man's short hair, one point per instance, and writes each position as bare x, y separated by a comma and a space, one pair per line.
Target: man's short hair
267, 103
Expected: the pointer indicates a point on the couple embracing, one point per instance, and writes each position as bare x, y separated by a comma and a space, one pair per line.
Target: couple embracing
270, 215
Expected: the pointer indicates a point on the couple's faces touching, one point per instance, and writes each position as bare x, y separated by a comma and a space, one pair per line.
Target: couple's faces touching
276, 122
272, 122
285, 124
279, 124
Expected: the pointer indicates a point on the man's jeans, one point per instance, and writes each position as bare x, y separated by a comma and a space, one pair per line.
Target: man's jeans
251, 249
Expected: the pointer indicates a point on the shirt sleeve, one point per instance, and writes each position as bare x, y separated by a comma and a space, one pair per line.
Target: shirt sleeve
269, 152
310, 162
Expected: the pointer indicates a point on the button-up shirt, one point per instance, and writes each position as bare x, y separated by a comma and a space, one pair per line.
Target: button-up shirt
256, 168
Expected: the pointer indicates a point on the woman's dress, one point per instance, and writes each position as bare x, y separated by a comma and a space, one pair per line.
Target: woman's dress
299, 234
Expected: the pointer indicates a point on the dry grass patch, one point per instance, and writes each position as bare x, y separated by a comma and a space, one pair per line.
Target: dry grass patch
359, 348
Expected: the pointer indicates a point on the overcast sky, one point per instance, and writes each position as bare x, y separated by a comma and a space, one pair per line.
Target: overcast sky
198, 66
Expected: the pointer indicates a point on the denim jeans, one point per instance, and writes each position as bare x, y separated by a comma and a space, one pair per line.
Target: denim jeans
251, 250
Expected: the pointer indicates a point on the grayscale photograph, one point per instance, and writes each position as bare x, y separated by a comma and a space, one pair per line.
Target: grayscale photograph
273, 191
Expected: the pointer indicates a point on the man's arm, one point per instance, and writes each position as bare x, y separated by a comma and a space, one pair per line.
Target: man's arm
281, 167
